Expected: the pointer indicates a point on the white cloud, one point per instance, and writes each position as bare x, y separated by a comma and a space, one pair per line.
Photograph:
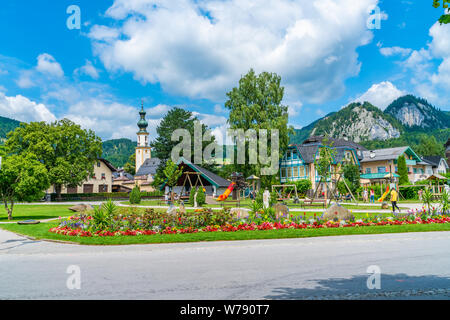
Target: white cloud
381, 94
393, 51
430, 82
159, 111
25, 80
109, 120
47, 64
294, 108
88, 69
23, 109
311, 44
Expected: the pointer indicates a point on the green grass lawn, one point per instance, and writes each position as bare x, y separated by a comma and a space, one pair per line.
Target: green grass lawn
36, 212
41, 232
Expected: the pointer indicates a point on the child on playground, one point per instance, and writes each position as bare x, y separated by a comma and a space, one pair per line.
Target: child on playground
394, 199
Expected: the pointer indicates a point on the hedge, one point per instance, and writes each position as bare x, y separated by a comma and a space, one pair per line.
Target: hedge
105, 195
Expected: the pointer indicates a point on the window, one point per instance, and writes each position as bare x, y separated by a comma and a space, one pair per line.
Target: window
295, 172
98, 164
368, 170
283, 172
415, 170
289, 172
103, 176
294, 155
302, 171
381, 169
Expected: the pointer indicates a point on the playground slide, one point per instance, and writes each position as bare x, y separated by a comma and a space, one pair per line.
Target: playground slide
384, 195
227, 193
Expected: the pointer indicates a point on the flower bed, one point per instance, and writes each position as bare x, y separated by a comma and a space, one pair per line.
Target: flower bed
158, 223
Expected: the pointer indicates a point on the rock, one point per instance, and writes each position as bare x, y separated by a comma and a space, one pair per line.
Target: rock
281, 210
385, 205
240, 213
337, 212
81, 208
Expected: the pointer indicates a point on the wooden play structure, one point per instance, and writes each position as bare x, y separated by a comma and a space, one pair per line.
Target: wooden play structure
196, 177
437, 185
280, 189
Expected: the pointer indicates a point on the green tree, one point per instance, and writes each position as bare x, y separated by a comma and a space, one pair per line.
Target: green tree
402, 171
67, 151
130, 166
135, 195
429, 146
352, 175
257, 104
444, 19
22, 178
177, 118
171, 175
324, 163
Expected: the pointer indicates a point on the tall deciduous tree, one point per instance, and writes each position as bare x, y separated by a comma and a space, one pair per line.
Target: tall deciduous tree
67, 151
402, 171
352, 174
22, 178
130, 166
171, 175
257, 104
176, 118
429, 146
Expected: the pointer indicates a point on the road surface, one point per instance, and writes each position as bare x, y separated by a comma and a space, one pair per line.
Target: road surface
413, 266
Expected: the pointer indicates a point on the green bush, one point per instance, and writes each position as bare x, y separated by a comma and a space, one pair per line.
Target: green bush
303, 186
135, 195
201, 197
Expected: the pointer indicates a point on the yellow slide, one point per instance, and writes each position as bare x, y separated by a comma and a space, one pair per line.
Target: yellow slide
227, 193
384, 195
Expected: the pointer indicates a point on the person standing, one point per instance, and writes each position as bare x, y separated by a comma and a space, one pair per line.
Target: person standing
365, 196
394, 199
372, 196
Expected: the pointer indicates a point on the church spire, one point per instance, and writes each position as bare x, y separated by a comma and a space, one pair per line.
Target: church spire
142, 124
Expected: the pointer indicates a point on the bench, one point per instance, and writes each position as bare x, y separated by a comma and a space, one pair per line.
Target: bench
312, 202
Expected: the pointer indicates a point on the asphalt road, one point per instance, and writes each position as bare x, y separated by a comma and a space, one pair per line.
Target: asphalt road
413, 266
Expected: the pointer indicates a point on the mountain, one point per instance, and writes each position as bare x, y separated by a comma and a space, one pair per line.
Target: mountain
404, 122
118, 151
357, 122
417, 113
305, 132
7, 125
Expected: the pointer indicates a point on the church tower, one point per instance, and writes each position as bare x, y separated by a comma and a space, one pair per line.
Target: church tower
143, 151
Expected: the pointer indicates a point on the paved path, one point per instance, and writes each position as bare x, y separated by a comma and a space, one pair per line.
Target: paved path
413, 266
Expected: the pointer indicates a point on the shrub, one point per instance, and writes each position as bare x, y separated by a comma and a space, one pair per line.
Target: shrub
303, 186
135, 195
201, 197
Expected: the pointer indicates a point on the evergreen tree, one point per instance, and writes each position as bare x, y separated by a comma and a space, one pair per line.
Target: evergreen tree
402, 171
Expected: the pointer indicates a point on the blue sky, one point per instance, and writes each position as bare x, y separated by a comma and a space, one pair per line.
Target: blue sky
190, 53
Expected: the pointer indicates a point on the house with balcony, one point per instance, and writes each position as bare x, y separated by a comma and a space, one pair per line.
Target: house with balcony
298, 162
381, 165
